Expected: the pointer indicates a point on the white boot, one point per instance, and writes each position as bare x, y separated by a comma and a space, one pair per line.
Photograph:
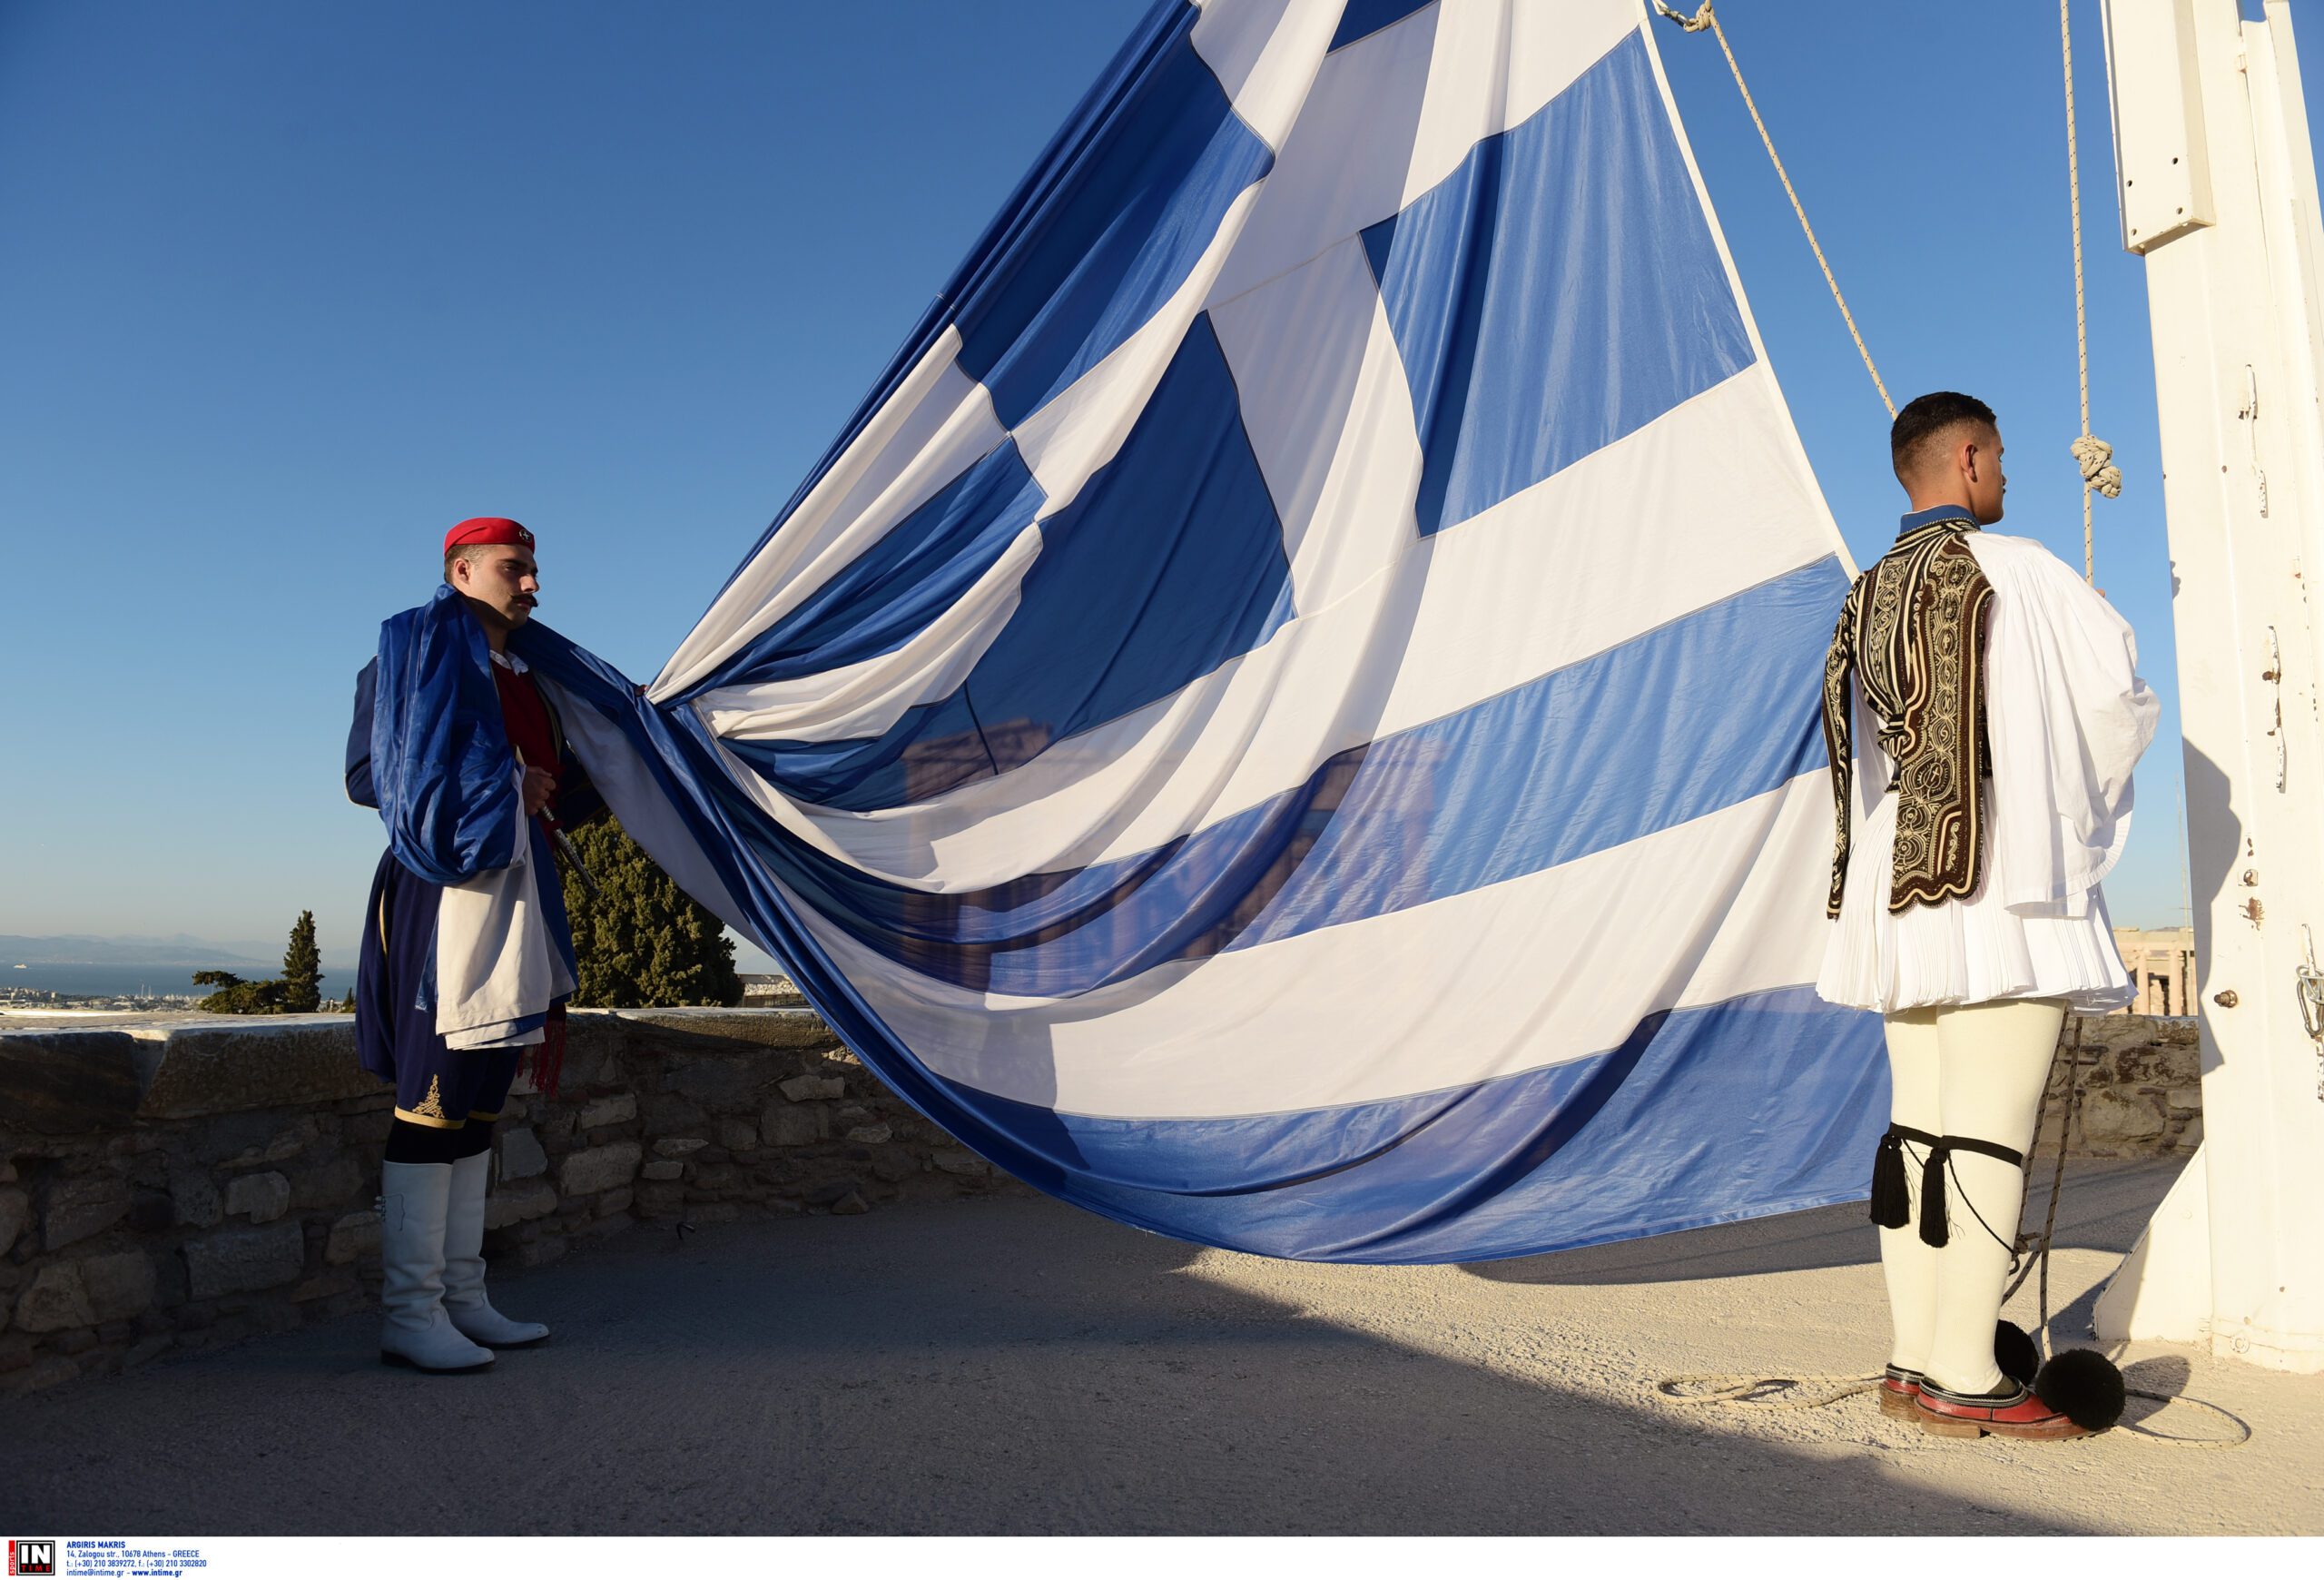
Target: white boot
415, 1331
464, 1297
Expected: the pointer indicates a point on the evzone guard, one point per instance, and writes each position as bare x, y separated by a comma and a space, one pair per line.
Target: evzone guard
466, 956
1996, 715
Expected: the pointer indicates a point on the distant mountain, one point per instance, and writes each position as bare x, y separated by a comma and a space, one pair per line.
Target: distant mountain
75, 949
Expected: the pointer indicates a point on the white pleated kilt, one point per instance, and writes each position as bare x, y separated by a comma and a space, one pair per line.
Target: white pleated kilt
1961, 952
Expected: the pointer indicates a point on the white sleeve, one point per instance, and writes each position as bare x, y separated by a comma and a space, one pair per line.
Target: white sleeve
1871, 771
2067, 717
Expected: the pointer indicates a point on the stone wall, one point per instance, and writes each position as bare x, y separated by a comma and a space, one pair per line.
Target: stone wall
173, 1187
2142, 1087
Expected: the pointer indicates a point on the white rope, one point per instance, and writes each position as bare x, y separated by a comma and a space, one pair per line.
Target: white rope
2065, 1138
2092, 455
1706, 18
1765, 1393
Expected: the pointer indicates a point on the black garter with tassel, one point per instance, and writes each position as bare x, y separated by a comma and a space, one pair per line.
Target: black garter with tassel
1935, 1230
1892, 1204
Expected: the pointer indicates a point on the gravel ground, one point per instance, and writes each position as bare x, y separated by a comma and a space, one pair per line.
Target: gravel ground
1017, 1366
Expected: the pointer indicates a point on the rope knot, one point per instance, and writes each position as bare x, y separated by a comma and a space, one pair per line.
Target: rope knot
2096, 457
1695, 23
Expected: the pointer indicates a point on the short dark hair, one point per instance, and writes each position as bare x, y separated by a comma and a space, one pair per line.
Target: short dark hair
1927, 416
453, 556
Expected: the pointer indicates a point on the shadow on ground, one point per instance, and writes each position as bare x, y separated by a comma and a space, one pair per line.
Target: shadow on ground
2104, 1207
998, 1366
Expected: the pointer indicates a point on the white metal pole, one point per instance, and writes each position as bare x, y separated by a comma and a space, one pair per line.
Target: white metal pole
2218, 192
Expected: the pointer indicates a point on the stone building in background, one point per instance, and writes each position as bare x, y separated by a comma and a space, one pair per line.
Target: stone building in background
2162, 961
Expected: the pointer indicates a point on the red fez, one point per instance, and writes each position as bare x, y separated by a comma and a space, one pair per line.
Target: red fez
486, 530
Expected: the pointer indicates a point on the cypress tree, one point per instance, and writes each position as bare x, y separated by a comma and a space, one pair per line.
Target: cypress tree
644, 942
302, 968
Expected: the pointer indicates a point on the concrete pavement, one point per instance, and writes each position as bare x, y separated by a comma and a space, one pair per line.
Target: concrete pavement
1019, 1366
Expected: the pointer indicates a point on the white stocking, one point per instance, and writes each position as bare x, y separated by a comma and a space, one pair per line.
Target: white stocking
1909, 1266
1993, 1060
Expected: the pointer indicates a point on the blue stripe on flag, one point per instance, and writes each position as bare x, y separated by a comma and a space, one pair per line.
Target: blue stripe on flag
1115, 237
1699, 714
1067, 932
1560, 290
1767, 1104
1166, 563
932, 748
1363, 18
919, 569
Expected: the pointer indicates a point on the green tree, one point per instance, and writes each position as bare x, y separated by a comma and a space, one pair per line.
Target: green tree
236, 997
302, 968
643, 941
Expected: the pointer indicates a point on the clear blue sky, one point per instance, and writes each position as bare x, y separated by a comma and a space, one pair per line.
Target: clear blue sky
286, 288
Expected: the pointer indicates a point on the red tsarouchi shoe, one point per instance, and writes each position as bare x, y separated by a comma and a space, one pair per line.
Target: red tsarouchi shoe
2016, 1412
1898, 1391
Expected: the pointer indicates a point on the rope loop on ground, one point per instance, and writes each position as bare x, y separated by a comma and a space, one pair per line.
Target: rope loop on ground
1741, 1390
1765, 1393
2136, 1429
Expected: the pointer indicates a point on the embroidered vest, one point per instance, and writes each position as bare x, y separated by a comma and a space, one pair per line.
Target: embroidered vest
1913, 632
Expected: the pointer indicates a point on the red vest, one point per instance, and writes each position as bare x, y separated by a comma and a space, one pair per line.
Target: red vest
526, 717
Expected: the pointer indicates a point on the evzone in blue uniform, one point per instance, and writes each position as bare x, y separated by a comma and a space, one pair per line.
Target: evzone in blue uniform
454, 744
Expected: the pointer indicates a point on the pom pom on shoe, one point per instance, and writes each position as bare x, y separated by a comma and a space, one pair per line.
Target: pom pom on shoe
2014, 1353
2085, 1386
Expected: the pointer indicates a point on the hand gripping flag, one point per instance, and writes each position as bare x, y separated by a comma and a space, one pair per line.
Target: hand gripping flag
1289, 717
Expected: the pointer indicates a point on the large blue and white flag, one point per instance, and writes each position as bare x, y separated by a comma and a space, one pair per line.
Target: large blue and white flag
1289, 718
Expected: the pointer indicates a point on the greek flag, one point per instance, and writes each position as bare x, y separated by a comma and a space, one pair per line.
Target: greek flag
1289, 717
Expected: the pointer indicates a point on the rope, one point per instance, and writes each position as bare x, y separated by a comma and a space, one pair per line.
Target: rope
1720, 1387
2092, 455
2022, 1269
2058, 1174
2040, 1246
1706, 17
1742, 1391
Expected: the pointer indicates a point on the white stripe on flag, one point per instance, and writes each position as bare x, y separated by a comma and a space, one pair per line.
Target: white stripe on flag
1265, 53
1539, 971
867, 698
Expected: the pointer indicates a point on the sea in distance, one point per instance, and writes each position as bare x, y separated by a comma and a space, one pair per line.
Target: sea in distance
109, 981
